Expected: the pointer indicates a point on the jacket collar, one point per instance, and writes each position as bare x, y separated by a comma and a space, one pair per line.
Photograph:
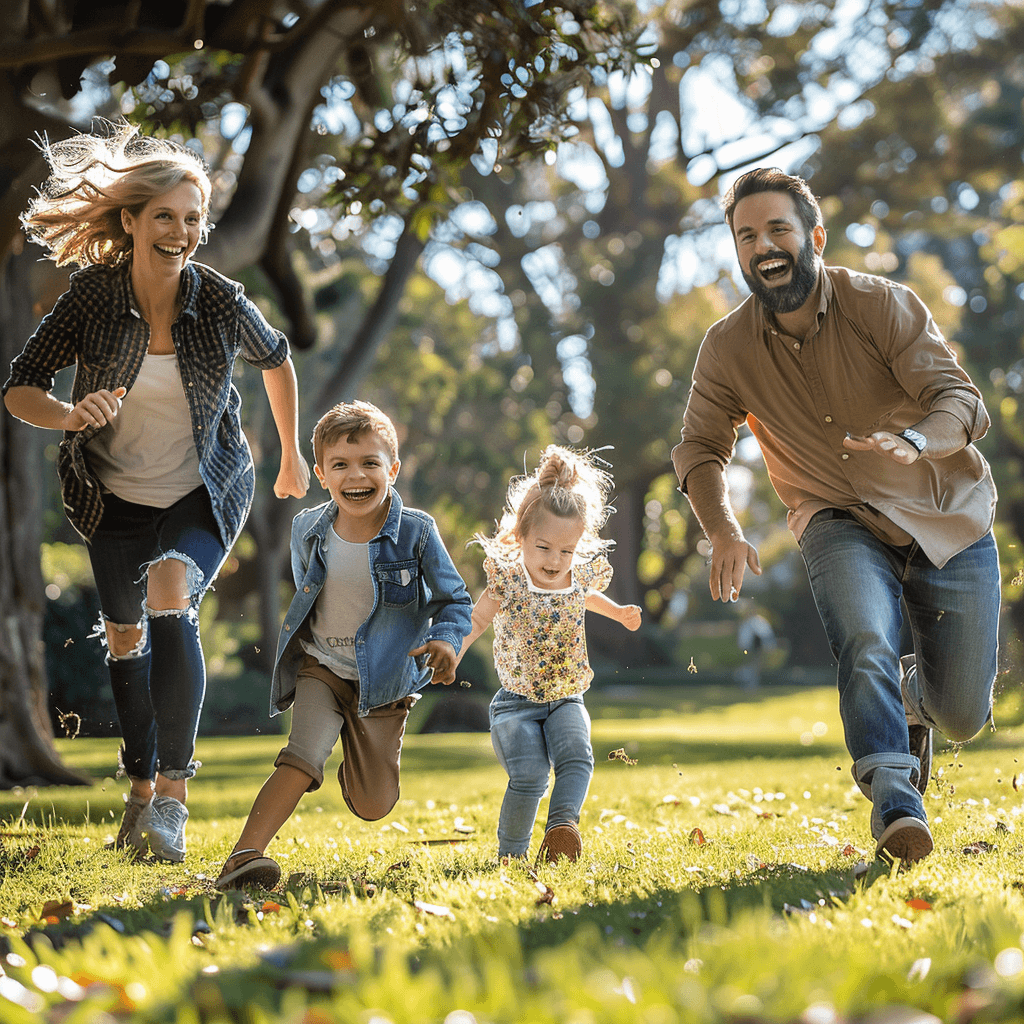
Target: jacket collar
323, 522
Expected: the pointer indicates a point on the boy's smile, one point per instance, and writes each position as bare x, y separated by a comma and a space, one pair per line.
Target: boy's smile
548, 548
358, 473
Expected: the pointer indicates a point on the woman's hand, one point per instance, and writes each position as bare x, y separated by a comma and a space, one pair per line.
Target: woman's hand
97, 409
293, 477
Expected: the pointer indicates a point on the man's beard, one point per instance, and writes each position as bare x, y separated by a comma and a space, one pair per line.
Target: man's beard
789, 297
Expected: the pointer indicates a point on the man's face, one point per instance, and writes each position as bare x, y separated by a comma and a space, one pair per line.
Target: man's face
778, 257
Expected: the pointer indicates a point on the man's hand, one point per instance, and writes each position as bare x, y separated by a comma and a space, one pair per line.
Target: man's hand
731, 556
441, 658
293, 477
886, 444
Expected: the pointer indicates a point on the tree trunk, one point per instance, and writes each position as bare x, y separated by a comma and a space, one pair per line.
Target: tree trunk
27, 754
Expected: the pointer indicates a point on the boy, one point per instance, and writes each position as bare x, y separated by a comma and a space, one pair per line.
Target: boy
373, 581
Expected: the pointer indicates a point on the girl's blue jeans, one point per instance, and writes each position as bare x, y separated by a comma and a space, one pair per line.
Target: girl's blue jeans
859, 582
158, 686
530, 739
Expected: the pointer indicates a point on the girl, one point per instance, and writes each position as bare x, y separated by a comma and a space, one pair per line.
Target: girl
545, 566
155, 472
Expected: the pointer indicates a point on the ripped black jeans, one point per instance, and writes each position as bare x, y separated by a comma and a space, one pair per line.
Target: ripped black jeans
158, 685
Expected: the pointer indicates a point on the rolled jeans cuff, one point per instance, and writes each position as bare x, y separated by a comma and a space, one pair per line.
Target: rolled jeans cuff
181, 773
864, 768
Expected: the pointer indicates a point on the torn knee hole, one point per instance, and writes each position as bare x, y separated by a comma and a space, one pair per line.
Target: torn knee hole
125, 641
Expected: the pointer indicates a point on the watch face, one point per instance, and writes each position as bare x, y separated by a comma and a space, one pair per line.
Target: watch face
914, 437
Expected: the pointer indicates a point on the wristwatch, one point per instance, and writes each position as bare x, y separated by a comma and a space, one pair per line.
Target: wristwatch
914, 438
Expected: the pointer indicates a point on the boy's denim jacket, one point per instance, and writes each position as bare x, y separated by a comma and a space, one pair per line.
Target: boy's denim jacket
418, 596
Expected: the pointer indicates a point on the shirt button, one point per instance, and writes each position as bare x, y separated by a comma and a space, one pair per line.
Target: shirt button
796, 345
305, 590
287, 628
845, 456
828, 419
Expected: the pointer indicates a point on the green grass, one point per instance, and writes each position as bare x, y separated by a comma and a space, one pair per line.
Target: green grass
411, 919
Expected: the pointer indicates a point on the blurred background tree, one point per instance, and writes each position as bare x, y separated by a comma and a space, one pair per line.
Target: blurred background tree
500, 221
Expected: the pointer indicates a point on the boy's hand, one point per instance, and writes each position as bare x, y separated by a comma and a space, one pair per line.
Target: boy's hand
631, 616
441, 658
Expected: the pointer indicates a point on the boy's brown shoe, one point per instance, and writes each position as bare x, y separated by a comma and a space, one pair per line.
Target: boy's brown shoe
560, 841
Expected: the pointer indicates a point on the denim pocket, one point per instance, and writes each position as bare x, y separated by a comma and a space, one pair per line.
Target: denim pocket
398, 582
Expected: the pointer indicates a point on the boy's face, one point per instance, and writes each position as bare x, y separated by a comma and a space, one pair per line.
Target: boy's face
357, 472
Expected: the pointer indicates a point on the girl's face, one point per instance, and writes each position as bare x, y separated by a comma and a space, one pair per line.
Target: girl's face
548, 547
166, 231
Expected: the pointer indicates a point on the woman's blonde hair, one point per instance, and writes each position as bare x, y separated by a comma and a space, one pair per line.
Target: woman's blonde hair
567, 483
93, 177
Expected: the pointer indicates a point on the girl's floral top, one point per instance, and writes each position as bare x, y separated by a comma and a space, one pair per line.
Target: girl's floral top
540, 649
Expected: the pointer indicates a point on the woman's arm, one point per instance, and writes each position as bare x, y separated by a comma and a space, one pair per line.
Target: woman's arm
627, 614
41, 409
484, 611
283, 393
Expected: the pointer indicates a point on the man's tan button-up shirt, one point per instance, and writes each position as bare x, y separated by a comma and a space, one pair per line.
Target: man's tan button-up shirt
877, 361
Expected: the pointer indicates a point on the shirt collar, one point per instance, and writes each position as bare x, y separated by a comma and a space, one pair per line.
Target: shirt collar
823, 291
123, 302
323, 522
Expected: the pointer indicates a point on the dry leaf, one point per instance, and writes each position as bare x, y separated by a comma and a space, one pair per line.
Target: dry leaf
621, 755
270, 907
917, 904
978, 846
697, 837
56, 910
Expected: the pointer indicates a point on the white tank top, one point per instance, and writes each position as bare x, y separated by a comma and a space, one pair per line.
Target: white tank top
342, 606
148, 455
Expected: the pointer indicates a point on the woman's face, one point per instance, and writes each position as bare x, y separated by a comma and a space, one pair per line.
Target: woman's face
166, 231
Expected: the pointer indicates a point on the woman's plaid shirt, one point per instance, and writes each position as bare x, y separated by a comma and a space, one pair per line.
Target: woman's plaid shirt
96, 325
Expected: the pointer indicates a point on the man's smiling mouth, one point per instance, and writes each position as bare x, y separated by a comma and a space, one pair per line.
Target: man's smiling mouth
773, 268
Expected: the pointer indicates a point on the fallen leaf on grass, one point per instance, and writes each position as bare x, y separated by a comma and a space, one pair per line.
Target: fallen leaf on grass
697, 837
56, 910
270, 907
435, 909
918, 904
547, 894
339, 960
849, 850
979, 846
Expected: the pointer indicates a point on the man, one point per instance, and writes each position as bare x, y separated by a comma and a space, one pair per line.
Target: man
866, 423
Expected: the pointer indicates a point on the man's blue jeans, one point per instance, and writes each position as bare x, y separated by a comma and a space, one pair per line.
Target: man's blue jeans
530, 739
858, 582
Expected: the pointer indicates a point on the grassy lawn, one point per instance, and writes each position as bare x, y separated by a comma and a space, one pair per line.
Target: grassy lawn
773, 911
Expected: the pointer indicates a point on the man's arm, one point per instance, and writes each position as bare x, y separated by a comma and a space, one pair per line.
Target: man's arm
944, 434
731, 555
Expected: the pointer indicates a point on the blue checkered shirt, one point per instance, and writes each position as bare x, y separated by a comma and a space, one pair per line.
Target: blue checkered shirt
96, 325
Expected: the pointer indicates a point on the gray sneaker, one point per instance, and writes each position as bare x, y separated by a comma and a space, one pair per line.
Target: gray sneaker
134, 824
165, 828
920, 735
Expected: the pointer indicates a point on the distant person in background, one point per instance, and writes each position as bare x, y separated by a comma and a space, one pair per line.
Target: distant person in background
155, 472
545, 569
867, 424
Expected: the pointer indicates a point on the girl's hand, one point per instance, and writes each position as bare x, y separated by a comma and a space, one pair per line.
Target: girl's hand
97, 409
630, 617
293, 477
441, 659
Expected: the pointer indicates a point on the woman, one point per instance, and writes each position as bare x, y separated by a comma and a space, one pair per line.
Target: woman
155, 472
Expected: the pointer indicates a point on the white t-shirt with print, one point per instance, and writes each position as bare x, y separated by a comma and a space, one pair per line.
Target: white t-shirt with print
342, 606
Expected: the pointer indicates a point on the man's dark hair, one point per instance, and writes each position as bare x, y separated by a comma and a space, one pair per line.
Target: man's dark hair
771, 179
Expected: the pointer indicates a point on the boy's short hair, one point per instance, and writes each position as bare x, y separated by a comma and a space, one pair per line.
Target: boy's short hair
353, 418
